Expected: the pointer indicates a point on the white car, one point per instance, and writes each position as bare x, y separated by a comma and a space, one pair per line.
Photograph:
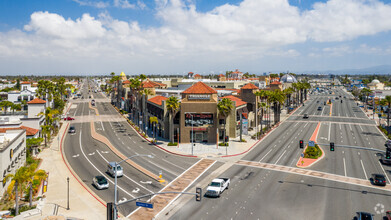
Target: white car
100, 182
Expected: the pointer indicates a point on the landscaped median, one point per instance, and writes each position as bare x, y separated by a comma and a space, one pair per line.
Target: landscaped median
313, 154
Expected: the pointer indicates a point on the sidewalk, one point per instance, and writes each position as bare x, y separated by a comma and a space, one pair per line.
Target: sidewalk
82, 204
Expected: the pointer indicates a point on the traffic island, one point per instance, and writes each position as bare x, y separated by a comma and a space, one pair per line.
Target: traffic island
312, 152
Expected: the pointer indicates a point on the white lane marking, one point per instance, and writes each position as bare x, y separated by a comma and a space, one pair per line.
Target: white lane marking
102, 125
108, 179
266, 154
280, 157
173, 164
91, 153
360, 127
136, 190
350, 126
329, 130
340, 128
104, 152
305, 124
126, 175
384, 172
366, 177
146, 182
322, 111
344, 165
76, 155
296, 124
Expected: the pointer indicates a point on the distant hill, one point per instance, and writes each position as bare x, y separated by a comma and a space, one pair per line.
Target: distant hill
383, 69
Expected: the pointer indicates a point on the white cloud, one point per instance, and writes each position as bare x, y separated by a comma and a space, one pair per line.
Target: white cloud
255, 28
123, 4
96, 4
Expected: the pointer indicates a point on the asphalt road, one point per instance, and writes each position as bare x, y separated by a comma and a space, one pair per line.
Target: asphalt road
264, 194
89, 158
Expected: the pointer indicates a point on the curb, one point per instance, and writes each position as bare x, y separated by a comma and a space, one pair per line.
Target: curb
74, 173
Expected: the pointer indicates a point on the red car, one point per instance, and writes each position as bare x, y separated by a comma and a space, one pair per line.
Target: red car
68, 119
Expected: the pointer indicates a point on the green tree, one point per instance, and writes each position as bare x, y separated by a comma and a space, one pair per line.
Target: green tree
387, 102
225, 107
17, 85
31, 174
5, 105
32, 143
20, 178
366, 92
172, 105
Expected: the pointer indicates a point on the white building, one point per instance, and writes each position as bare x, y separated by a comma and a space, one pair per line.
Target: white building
35, 107
12, 153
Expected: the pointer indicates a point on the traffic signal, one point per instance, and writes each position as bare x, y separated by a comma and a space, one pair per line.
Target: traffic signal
331, 146
388, 153
301, 143
110, 211
198, 194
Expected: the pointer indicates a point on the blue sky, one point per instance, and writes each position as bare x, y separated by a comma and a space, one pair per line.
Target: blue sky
203, 36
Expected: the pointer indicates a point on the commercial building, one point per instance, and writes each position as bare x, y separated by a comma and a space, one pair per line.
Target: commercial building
12, 153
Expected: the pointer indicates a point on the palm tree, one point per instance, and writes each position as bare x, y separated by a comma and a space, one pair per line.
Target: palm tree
261, 94
387, 102
153, 121
15, 107
365, 92
225, 107
20, 178
172, 105
263, 107
288, 93
5, 105
278, 100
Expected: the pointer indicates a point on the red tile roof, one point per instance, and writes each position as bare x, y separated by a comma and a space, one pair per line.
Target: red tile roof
29, 131
152, 84
25, 83
275, 83
238, 101
200, 88
249, 86
126, 82
36, 101
221, 75
158, 100
197, 75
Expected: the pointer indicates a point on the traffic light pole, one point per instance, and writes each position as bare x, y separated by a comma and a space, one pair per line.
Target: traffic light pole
152, 194
355, 147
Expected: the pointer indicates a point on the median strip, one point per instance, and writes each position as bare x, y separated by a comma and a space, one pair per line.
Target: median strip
180, 184
106, 141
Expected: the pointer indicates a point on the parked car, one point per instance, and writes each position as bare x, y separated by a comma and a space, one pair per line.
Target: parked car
378, 179
217, 186
363, 216
69, 119
72, 130
100, 182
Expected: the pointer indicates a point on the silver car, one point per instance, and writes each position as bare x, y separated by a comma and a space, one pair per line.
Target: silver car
100, 182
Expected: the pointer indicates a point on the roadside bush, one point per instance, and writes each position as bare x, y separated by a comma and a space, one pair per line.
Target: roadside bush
172, 144
243, 140
313, 152
224, 145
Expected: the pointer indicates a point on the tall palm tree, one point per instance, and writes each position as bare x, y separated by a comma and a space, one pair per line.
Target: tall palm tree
387, 102
263, 107
172, 105
153, 120
225, 107
6, 105
288, 93
261, 94
365, 92
15, 107
20, 178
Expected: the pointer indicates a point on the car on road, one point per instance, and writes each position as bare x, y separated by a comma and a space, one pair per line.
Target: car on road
217, 186
336, 98
72, 130
68, 119
319, 108
305, 116
112, 170
378, 179
100, 182
363, 216
317, 101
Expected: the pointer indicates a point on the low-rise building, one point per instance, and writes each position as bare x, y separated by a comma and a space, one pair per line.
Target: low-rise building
12, 154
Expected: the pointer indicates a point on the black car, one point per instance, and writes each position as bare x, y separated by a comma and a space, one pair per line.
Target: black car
363, 216
305, 116
72, 129
317, 101
378, 179
319, 108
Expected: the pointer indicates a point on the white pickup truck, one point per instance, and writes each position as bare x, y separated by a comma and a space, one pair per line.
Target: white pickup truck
217, 186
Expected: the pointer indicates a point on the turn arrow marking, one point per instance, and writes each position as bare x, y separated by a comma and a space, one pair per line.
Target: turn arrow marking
122, 200
136, 190
91, 153
75, 155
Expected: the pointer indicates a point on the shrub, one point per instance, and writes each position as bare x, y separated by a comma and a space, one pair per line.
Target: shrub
313, 152
243, 140
223, 144
172, 144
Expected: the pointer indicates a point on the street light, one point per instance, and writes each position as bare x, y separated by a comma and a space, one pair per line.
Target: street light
192, 134
115, 181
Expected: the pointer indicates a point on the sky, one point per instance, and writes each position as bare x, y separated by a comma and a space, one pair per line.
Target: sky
91, 37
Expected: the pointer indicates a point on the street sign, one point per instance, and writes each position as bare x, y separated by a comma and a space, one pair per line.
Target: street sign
145, 205
311, 143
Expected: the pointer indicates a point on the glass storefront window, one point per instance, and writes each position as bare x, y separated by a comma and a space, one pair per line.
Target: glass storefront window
198, 120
